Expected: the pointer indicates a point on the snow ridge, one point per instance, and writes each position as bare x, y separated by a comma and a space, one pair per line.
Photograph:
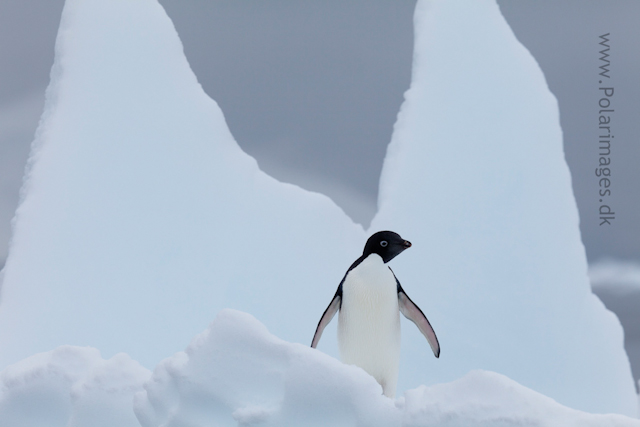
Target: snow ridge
236, 373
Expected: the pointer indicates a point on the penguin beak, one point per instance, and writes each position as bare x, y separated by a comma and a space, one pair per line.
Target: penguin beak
406, 244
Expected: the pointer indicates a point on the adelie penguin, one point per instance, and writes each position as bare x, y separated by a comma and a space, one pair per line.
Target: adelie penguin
370, 300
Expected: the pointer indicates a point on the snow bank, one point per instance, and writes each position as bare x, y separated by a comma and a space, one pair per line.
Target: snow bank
616, 276
236, 373
475, 177
70, 387
485, 398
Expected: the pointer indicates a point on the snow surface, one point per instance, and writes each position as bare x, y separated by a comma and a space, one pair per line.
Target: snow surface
141, 219
71, 387
236, 373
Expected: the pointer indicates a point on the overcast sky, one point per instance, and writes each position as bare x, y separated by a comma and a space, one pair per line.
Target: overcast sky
311, 90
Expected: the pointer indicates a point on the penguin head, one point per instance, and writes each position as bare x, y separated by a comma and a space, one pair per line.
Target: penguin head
387, 244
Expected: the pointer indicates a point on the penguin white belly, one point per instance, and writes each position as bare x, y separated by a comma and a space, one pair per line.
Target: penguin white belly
369, 322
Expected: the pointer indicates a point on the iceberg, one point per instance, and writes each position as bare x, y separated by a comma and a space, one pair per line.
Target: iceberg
141, 219
614, 276
475, 177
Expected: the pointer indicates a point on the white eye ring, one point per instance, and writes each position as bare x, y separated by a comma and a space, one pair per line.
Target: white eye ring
384, 243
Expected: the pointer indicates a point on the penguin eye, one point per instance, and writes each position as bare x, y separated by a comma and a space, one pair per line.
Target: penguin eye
384, 243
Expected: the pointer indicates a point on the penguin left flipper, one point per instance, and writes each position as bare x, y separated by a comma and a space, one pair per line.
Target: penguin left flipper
328, 314
412, 312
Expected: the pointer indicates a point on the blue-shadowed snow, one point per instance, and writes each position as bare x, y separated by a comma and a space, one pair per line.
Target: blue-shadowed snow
141, 219
236, 373
71, 387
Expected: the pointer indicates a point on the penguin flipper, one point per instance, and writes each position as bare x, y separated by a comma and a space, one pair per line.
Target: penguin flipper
328, 314
412, 312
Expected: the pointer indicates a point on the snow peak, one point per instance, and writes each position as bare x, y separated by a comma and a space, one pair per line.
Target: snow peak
605, 113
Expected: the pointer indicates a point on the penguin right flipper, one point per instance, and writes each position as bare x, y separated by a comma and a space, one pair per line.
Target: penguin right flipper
328, 314
412, 312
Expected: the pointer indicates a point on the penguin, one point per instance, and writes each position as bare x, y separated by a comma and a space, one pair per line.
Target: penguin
369, 300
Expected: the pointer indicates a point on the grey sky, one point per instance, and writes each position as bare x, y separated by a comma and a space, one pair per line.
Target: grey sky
312, 89
564, 37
